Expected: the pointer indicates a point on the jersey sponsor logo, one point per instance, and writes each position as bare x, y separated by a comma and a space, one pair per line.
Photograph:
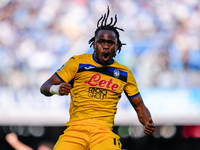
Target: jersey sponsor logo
95, 80
97, 93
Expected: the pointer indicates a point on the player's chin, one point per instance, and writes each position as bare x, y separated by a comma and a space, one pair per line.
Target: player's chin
105, 62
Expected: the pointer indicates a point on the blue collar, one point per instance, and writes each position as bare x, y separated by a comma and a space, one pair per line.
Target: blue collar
99, 62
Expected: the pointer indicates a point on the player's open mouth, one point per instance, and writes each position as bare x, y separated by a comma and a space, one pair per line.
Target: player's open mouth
106, 56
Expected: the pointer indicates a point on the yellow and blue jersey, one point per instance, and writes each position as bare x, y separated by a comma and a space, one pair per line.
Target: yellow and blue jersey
96, 88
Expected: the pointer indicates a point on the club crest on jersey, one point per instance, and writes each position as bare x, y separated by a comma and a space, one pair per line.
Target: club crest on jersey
116, 73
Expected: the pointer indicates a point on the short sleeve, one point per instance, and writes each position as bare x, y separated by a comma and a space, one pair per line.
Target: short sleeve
130, 88
67, 72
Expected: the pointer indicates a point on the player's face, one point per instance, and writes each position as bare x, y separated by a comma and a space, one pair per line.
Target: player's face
105, 46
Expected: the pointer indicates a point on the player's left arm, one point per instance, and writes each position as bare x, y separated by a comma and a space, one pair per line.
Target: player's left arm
143, 113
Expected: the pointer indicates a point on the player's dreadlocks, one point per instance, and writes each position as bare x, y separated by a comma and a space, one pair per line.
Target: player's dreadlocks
104, 26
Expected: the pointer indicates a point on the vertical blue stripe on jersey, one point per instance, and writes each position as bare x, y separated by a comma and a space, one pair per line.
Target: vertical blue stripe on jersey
115, 141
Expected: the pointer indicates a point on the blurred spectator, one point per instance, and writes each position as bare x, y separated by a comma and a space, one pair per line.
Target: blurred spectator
13, 140
162, 39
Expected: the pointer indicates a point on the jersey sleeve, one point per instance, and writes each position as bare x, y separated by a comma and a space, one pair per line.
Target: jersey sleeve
67, 72
131, 89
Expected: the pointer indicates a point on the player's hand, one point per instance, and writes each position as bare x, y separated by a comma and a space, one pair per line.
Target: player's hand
11, 138
65, 88
150, 127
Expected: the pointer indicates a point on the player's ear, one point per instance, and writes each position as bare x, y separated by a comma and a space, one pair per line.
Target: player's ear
94, 46
117, 47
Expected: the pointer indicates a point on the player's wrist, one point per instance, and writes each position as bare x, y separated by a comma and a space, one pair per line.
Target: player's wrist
54, 89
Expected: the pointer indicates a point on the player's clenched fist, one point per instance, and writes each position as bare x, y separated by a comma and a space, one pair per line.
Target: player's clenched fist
60, 89
150, 127
65, 88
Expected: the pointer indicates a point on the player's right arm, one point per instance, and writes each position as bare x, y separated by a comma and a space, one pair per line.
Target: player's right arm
58, 83
55, 86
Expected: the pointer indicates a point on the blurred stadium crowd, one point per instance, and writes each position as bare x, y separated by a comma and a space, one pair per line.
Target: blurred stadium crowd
162, 37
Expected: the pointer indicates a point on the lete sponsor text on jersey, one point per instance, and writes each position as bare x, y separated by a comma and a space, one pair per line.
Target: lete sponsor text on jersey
95, 80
